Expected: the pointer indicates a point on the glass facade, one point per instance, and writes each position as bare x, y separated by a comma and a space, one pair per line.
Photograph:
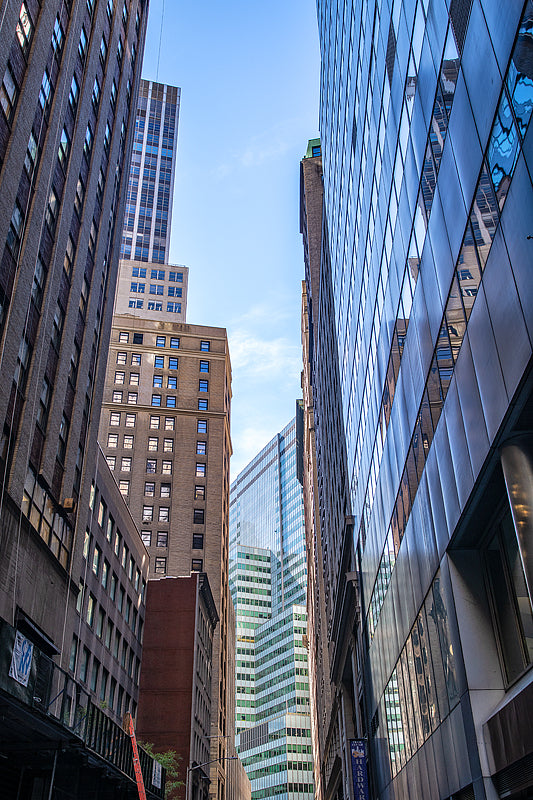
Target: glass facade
147, 221
427, 158
268, 587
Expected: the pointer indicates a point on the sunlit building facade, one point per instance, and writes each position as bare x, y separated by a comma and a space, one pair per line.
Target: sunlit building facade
427, 158
268, 587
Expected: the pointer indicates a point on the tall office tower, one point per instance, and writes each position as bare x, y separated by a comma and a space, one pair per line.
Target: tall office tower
268, 587
147, 223
165, 430
69, 71
332, 606
426, 144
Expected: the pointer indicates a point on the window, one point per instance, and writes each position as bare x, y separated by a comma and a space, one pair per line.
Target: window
166, 467
125, 464
151, 466
130, 420
124, 336
202, 404
8, 94
174, 308
199, 492
112, 440
117, 396
134, 378
111, 462
114, 418
52, 209
97, 557
44, 403
204, 366
107, 137
135, 358
62, 441
203, 386
158, 381
146, 536
121, 358
84, 664
205, 346
197, 565
103, 50
164, 490
176, 277
105, 573
88, 143
201, 426
138, 272
24, 29
201, 448
172, 382
16, 227
175, 291
109, 529
82, 46
172, 363
110, 9
102, 508
148, 513
153, 443
174, 342
198, 516
164, 514
45, 90
160, 341
168, 445
200, 470
138, 338
96, 94
32, 154
114, 93
170, 423
159, 362
64, 149
149, 489
156, 399
160, 566
57, 37
89, 616
84, 296
120, 377
128, 441
197, 541
162, 539
124, 488
157, 275
171, 401
132, 398
79, 196
74, 94
154, 422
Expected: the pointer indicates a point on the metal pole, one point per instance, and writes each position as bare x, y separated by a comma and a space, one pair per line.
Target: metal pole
52, 779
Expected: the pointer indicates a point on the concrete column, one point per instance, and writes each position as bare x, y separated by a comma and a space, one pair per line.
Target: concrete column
516, 456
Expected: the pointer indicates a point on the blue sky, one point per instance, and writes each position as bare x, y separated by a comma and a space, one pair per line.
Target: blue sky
249, 77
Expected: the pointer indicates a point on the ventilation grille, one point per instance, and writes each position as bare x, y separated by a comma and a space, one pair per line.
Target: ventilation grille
514, 778
255, 737
465, 794
459, 16
391, 52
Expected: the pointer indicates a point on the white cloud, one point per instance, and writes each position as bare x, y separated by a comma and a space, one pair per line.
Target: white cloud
262, 358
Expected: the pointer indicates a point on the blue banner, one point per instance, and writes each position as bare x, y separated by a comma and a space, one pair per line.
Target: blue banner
359, 771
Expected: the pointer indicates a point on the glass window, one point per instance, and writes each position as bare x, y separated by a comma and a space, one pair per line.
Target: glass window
202, 404
156, 399
200, 470
148, 513
153, 443
201, 426
121, 357
168, 445
154, 422
124, 488
205, 346
162, 539
199, 492
120, 377
135, 358
160, 341
151, 465
146, 536
160, 566
198, 516
164, 514
112, 439
166, 467
172, 363
149, 489
128, 441
203, 386
201, 448
164, 490
158, 381
172, 382
204, 366
132, 398
123, 336
130, 420
159, 362
171, 401
134, 378
170, 423
125, 464
174, 342
197, 565
198, 541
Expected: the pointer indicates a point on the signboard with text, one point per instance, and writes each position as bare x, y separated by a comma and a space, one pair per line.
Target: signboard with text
359, 771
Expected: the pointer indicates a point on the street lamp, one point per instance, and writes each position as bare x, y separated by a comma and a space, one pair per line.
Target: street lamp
199, 766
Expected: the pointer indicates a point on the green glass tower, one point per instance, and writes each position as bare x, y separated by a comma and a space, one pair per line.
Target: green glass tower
268, 585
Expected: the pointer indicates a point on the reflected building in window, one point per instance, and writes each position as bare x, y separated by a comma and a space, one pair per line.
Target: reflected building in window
428, 202
268, 588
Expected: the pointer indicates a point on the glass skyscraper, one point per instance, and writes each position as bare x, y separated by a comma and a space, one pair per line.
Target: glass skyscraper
147, 222
268, 587
427, 152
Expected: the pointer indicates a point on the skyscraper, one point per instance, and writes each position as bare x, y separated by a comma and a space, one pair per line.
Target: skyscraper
426, 145
69, 72
268, 587
148, 218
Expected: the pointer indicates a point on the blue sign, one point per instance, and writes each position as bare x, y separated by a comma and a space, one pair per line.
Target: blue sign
359, 771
